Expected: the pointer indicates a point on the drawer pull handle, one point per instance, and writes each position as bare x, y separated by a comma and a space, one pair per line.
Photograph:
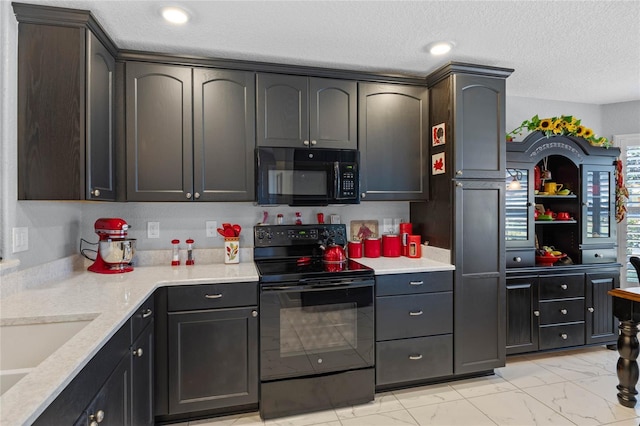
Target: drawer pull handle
564, 286
590, 309
213, 296
415, 357
564, 336
563, 311
416, 282
147, 313
415, 314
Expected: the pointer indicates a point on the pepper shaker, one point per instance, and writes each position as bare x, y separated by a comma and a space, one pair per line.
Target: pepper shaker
175, 259
190, 258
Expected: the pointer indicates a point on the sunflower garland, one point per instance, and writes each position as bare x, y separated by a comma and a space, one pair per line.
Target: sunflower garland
564, 125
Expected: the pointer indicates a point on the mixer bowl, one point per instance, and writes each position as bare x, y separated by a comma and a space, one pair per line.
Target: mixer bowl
117, 251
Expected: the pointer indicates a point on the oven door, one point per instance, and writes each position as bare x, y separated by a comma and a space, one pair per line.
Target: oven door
308, 330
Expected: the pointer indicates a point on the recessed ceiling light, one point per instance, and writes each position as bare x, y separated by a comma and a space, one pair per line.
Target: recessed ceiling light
175, 15
440, 48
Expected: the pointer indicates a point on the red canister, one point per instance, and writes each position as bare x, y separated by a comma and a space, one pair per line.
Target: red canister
406, 229
372, 247
414, 246
355, 249
391, 245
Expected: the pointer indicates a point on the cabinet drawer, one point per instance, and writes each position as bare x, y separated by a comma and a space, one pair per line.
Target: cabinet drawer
399, 317
211, 296
608, 255
422, 282
560, 336
560, 311
561, 286
142, 317
416, 359
520, 258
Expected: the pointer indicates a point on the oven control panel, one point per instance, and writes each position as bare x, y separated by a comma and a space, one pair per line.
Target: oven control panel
288, 235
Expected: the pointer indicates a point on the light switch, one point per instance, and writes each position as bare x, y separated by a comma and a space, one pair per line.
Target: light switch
20, 239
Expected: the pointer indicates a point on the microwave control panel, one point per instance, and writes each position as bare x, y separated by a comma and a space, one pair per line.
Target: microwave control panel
348, 181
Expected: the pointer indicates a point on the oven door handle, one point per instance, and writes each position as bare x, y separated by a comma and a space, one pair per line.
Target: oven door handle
317, 287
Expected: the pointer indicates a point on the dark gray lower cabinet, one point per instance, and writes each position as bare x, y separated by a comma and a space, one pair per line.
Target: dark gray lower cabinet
601, 324
206, 350
522, 323
414, 340
212, 359
116, 385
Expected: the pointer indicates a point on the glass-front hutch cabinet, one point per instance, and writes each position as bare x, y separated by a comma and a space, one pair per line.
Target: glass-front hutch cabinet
560, 232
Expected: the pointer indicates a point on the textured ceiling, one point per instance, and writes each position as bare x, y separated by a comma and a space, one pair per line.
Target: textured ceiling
578, 51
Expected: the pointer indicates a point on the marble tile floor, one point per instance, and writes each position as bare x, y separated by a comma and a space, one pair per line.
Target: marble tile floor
576, 387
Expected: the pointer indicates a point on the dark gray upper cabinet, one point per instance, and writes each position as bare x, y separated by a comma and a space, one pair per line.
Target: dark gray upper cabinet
173, 156
159, 132
224, 134
65, 107
393, 133
298, 112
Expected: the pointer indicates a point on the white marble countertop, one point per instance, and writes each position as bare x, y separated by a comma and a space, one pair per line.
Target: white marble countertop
109, 300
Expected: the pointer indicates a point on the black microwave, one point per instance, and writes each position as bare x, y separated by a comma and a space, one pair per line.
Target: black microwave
307, 177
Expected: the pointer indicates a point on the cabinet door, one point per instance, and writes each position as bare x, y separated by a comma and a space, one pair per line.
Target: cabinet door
479, 278
602, 326
224, 135
159, 136
522, 315
332, 113
598, 205
213, 359
142, 378
100, 145
111, 405
392, 124
283, 115
50, 112
518, 222
479, 135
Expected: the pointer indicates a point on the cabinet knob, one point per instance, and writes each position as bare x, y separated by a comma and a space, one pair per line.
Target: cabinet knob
138, 352
564, 336
536, 313
314, 142
147, 313
188, 195
415, 313
95, 192
363, 195
529, 204
196, 195
563, 311
517, 259
459, 173
254, 313
598, 255
98, 417
459, 184
415, 357
590, 309
563, 286
306, 143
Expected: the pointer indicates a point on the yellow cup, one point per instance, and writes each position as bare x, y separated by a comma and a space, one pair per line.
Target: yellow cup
552, 188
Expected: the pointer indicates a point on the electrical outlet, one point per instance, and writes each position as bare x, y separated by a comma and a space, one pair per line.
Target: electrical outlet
153, 229
20, 239
211, 226
387, 225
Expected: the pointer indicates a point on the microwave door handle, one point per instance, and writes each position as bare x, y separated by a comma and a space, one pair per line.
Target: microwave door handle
336, 180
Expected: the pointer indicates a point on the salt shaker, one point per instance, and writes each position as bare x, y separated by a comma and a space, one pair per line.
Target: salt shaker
175, 259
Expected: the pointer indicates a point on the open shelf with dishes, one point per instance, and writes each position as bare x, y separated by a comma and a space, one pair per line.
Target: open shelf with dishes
560, 235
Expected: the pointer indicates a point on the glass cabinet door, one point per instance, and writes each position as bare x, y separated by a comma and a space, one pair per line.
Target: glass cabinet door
518, 212
598, 204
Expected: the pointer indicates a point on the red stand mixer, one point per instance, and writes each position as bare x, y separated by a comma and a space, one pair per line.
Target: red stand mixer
115, 250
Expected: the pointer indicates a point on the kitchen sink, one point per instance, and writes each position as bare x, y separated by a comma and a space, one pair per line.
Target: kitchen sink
23, 347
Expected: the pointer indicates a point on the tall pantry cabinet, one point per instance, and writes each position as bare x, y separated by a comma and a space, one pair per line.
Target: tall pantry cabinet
465, 210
